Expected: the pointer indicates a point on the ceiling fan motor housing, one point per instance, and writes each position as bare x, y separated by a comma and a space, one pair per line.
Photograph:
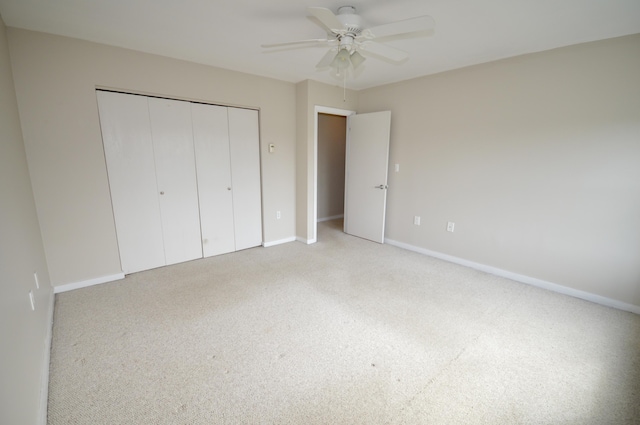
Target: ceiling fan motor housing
351, 22
352, 26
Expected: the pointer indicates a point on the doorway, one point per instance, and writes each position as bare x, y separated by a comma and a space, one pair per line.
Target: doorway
332, 145
329, 155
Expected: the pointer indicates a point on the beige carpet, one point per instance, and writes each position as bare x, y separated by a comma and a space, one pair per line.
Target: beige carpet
341, 332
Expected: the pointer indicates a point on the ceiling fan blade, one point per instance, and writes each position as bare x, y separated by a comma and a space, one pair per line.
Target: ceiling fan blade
293, 43
326, 18
326, 59
420, 23
385, 51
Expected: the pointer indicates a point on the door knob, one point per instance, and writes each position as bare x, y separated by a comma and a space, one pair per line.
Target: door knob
228, 188
161, 193
382, 186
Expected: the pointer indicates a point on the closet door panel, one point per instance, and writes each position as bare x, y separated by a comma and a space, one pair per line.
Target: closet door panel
244, 139
126, 134
172, 134
211, 142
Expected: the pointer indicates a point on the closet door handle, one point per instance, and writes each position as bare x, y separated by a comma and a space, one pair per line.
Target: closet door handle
162, 193
228, 188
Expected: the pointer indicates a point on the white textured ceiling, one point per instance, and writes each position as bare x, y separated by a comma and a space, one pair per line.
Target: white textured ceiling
228, 33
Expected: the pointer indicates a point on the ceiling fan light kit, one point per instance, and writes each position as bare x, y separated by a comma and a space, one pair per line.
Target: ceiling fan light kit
356, 59
347, 31
341, 60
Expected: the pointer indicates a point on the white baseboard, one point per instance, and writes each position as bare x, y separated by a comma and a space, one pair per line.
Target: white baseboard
281, 241
306, 241
598, 299
46, 359
333, 217
85, 283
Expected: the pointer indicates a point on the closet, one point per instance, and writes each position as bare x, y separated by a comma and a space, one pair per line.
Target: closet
184, 178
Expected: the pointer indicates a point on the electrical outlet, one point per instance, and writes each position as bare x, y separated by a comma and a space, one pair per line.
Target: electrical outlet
397, 168
416, 220
35, 277
450, 226
278, 215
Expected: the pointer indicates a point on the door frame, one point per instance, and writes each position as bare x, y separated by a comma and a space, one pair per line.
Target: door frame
321, 110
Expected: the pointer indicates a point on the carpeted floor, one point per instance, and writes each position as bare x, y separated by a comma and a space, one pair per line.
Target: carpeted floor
344, 331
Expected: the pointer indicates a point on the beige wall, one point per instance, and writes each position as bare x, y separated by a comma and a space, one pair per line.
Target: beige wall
23, 333
332, 140
302, 152
56, 78
535, 158
310, 94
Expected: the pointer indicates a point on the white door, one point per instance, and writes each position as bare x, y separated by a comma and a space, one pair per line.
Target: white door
211, 141
128, 148
172, 134
367, 164
244, 136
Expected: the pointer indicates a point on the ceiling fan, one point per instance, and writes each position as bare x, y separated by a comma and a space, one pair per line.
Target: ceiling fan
349, 39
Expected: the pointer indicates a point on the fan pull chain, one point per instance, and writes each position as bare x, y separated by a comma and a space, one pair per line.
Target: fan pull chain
344, 87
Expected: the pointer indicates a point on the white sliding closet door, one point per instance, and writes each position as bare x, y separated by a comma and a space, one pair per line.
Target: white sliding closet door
244, 139
172, 134
184, 178
211, 141
128, 149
